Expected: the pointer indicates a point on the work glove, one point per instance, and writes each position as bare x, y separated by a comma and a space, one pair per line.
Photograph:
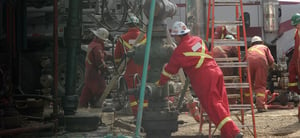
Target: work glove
157, 83
102, 69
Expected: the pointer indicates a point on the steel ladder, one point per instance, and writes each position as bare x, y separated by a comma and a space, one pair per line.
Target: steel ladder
238, 109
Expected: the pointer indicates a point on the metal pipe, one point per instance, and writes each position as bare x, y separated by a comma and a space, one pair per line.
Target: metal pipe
33, 96
50, 9
73, 34
14, 131
145, 67
72, 42
55, 55
183, 91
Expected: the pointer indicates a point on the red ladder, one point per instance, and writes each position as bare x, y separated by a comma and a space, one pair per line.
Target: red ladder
235, 62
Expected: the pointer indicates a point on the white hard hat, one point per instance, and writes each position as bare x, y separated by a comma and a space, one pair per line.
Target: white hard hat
229, 37
231, 29
132, 19
179, 28
101, 33
256, 39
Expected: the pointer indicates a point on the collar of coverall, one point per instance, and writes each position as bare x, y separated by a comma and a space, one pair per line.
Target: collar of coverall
97, 40
133, 29
183, 38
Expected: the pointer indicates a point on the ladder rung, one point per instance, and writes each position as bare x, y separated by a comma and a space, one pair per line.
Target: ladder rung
228, 59
232, 64
232, 96
227, 4
222, 42
240, 23
230, 2
237, 85
239, 106
227, 1
231, 77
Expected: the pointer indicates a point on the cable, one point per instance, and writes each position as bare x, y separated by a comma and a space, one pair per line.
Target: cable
121, 23
140, 19
139, 10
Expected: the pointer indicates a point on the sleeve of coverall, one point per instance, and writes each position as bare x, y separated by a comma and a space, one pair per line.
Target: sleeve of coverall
99, 58
119, 51
219, 32
171, 68
233, 51
295, 53
269, 57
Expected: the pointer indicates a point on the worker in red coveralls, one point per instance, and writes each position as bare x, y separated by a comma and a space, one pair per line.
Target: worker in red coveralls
205, 76
226, 52
94, 83
294, 65
221, 31
124, 44
259, 59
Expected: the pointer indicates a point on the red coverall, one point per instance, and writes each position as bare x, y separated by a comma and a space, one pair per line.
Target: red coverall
220, 32
294, 66
259, 59
206, 79
127, 40
225, 52
94, 83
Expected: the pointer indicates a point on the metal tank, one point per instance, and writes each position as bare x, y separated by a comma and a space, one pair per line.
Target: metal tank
196, 17
271, 12
271, 19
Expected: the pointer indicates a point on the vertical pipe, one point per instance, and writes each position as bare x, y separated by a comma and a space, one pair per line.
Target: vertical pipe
19, 36
8, 40
55, 55
1, 18
8, 30
13, 12
21, 26
145, 67
73, 43
200, 18
208, 20
16, 50
72, 34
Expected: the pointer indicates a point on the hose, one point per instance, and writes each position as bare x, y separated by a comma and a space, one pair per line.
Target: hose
124, 16
186, 84
145, 67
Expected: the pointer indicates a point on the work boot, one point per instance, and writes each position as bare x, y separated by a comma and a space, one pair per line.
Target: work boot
262, 109
239, 135
194, 110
